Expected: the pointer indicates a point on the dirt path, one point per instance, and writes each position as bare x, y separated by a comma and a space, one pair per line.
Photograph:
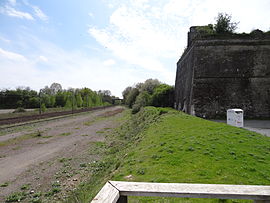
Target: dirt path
27, 158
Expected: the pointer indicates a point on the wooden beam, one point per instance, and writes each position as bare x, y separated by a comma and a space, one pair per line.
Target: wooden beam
219, 191
108, 194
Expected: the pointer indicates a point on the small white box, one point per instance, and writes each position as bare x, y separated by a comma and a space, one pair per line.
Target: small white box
235, 117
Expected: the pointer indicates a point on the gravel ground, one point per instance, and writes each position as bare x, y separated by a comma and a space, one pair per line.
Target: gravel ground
26, 158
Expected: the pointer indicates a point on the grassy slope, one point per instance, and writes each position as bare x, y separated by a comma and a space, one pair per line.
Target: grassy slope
185, 149
175, 147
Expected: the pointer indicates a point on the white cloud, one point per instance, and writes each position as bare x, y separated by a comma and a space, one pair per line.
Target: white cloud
43, 59
91, 14
11, 56
7, 10
141, 35
50, 63
12, 2
109, 62
152, 34
4, 39
39, 13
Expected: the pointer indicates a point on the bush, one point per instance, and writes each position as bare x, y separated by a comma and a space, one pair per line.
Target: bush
43, 107
205, 30
19, 110
163, 96
224, 24
143, 99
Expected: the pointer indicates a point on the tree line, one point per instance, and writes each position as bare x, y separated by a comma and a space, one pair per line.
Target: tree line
149, 93
54, 96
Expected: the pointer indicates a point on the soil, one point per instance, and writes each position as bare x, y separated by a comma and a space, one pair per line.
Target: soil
36, 156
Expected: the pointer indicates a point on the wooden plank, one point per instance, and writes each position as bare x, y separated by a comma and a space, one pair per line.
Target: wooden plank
108, 194
193, 190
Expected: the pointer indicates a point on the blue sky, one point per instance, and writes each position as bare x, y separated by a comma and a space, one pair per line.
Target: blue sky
106, 44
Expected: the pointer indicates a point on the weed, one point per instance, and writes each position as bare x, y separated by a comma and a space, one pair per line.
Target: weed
63, 159
38, 134
65, 134
37, 194
25, 187
88, 123
83, 165
141, 171
56, 190
191, 149
4, 184
16, 197
36, 200
47, 136
56, 184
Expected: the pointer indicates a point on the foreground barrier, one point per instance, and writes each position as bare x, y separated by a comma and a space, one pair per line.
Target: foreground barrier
118, 191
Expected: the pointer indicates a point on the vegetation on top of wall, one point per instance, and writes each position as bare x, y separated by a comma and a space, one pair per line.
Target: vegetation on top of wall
225, 27
224, 24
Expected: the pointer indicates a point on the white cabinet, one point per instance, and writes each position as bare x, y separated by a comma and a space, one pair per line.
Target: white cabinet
235, 117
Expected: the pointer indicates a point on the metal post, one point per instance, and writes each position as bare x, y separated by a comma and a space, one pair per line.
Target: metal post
122, 199
39, 102
87, 101
72, 102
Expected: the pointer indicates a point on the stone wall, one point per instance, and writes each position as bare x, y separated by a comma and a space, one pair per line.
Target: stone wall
218, 73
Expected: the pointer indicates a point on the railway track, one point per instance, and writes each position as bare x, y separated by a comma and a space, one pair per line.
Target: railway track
24, 119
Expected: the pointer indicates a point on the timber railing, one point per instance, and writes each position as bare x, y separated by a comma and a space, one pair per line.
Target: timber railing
118, 191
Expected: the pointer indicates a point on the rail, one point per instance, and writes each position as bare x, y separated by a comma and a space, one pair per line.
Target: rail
118, 191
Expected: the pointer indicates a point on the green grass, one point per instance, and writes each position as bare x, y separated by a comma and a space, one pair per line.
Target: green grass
19, 139
186, 149
164, 145
65, 134
4, 184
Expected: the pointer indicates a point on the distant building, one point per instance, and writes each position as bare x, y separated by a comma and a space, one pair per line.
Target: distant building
219, 72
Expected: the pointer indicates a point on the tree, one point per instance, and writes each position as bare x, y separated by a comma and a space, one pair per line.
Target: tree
79, 100
149, 85
55, 88
143, 99
163, 96
224, 24
125, 93
60, 99
106, 95
131, 97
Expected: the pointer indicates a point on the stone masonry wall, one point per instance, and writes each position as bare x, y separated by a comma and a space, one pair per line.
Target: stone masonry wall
214, 75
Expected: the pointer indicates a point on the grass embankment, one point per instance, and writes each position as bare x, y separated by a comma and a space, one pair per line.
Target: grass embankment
182, 149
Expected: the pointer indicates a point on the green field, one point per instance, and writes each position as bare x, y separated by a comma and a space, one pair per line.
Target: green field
164, 145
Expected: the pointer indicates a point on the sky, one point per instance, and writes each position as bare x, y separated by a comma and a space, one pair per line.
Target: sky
106, 44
